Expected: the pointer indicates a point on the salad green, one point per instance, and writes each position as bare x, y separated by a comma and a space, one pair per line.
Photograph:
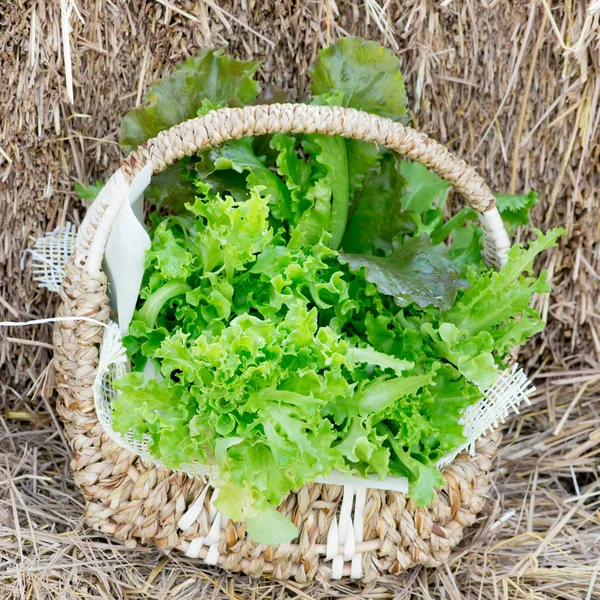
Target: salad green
307, 305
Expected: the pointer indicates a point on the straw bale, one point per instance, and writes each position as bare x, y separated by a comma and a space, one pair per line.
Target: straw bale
512, 86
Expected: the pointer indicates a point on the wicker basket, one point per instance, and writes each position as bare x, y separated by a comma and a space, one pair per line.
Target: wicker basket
142, 504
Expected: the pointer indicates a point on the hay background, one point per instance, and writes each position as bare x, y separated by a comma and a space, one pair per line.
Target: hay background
533, 65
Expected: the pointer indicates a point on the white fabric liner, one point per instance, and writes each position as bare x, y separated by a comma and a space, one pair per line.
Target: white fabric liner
126, 245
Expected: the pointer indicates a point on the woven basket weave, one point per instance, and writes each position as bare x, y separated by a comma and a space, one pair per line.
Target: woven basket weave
141, 504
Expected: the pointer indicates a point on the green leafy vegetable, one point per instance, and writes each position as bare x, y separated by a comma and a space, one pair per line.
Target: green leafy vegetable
173, 187
271, 527
515, 209
415, 272
212, 75
362, 75
280, 358
296, 173
88, 192
424, 188
502, 298
332, 185
377, 218
212, 78
366, 74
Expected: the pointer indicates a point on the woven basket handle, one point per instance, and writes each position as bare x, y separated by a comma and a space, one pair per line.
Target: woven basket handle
219, 126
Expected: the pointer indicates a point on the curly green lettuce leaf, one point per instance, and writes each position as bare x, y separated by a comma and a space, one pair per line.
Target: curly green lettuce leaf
239, 156
497, 302
362, 448
254, 388
381, 393
89, 192
297, 174
212, 75
415, 272
472, 356
230, 234
423, 475
448, 398
380, 359
515, 209
160, 409
427, 479
422, 428
169, 254
142, 340
378, 394
154, 303
328, 194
